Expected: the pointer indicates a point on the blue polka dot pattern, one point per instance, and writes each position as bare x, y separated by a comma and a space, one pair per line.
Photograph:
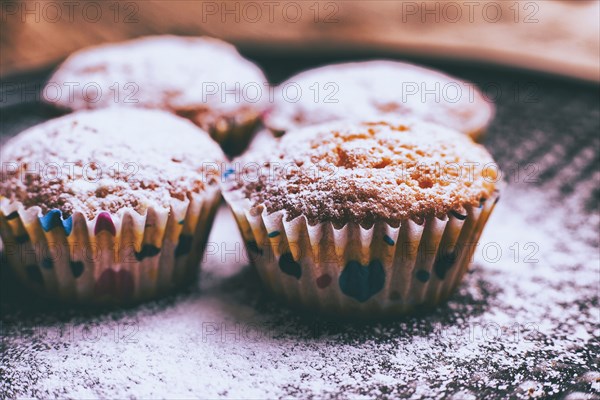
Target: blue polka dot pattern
388, 240
422, 275
228, 172
47, 263
184, 246
253, 247
289, 266
362, 282
12, 215
76, 268
458, 215
443, 264
22, 239
54, 219
148, 250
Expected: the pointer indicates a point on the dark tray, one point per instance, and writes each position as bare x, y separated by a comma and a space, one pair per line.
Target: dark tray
524, 323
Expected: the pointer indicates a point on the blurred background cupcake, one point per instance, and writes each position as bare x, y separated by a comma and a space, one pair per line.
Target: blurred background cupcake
108, 206
203, 79
385, 88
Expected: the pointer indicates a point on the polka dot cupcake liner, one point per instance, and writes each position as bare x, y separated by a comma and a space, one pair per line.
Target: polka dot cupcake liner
383, 270
115, 258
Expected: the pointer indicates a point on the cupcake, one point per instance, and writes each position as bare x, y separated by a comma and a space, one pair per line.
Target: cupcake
363, 218
378, 89
202, 79
108, 206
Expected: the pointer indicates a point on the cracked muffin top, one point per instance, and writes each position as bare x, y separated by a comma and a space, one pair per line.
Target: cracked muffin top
365, 172
106, 160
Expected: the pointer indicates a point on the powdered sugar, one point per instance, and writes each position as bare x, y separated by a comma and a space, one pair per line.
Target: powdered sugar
176, 73
547, 310
519, 327
367, 171
372, 88
200, 78
108, 159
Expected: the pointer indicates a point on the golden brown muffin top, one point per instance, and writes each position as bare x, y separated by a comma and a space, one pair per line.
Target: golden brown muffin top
366, 172
106, 160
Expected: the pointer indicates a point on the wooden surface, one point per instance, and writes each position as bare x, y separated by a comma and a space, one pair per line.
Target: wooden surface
548, 35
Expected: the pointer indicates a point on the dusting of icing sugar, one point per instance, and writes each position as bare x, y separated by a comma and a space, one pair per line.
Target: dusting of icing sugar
109, 159
545, 304
198, 77
366, 172
519, 327
376, 88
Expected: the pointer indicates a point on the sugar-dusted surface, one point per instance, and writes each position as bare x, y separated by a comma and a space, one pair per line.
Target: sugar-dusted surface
366, 172
109, 159
389, 88
520, 329
201, 78
513, 326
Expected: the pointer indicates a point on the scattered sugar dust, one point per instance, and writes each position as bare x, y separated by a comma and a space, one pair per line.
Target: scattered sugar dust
525, 322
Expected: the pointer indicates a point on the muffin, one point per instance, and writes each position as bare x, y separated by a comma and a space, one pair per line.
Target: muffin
378, 89
108, 206
363, 218
202, 79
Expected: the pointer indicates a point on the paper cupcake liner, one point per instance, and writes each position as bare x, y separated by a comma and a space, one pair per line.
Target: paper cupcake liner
116, 258
233, 133
383, 270
238, 137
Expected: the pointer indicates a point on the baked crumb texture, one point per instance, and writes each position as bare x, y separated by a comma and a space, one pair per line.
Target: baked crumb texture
107, 160
378, 88
361, 218
366, 172
110, 206
203, 79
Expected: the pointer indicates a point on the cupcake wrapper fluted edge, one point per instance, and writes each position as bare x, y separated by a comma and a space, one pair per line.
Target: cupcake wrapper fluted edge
352, 270
115, 258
